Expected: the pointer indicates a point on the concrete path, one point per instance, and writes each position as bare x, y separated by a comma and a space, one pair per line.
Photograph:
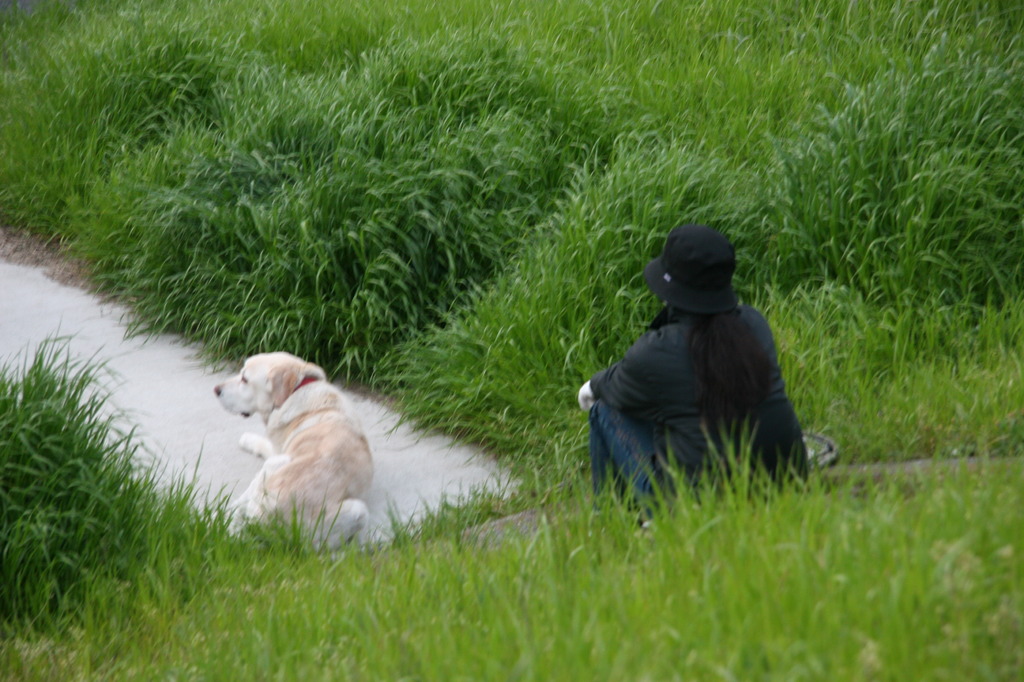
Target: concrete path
168, 394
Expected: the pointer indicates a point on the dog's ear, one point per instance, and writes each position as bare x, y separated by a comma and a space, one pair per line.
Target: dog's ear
311, 371
283, 381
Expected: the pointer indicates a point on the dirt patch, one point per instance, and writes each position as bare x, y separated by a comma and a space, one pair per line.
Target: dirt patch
26, 248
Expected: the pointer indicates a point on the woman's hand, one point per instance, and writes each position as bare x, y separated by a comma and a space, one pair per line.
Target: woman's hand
586, 397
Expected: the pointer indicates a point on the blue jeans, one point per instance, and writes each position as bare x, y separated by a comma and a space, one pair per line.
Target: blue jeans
622, 453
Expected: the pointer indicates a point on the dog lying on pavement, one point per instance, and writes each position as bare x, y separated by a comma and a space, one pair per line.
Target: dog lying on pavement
318, 462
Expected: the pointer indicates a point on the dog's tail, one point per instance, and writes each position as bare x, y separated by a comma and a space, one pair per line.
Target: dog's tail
345, 526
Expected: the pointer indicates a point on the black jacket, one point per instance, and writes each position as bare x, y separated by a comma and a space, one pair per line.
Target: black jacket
655, 382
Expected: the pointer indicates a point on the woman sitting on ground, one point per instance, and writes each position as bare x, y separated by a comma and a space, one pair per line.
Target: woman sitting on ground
702, 382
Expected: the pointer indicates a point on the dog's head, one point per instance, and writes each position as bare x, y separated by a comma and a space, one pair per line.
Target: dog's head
265, 382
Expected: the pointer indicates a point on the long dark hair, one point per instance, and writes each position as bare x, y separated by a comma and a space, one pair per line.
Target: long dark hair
733, 371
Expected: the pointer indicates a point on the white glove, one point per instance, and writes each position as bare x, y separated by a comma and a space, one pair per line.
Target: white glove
586, 397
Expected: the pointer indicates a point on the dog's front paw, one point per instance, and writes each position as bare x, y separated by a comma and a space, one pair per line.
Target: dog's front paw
255, 444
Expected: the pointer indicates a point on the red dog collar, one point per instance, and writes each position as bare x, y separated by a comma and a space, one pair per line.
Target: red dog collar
307, 380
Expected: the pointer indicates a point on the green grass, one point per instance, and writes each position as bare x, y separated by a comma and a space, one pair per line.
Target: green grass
452, 202
810, 585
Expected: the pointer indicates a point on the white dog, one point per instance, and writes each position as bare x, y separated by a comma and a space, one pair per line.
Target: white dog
318, 462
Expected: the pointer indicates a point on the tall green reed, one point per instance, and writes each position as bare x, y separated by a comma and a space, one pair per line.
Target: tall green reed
338, 216
911, 191
71, 501
891, 383
96, 95
77, 509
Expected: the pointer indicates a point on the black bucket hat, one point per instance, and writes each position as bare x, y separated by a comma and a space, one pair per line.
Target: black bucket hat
694, 271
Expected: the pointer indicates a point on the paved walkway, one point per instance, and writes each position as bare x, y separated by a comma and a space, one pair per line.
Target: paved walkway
168, 394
